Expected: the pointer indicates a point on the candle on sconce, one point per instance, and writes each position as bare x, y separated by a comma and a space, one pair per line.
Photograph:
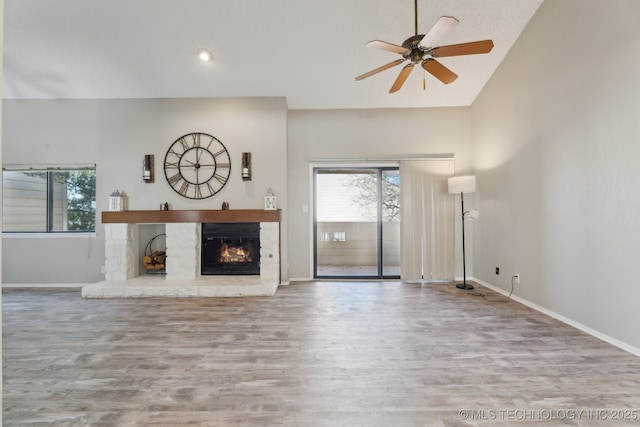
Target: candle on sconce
246, 167
147, 168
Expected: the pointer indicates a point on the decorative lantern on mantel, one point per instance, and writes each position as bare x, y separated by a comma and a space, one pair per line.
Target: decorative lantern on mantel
270, 201
116, 201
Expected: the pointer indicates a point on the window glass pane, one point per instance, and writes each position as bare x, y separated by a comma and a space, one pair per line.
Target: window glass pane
24, 201
346, 212
391, 222
49, 201
73, 201
346, 196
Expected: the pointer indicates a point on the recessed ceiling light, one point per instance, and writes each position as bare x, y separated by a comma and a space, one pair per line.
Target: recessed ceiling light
204, 54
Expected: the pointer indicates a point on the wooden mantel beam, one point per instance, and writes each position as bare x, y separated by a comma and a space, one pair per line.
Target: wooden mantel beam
160, 216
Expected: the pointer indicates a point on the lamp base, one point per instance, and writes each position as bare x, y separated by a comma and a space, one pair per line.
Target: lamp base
465, 286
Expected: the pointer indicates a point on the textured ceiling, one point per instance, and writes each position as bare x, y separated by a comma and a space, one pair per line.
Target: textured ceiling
309, 51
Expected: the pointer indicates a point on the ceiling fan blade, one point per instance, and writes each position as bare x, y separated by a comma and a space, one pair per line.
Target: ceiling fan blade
471, 48
402, 77
439, 71
379, 69
378, 44
439, 30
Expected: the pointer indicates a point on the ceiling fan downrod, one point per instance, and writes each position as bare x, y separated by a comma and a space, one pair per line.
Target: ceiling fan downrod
415, 9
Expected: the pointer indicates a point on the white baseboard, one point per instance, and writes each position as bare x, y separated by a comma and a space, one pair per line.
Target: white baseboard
606, 338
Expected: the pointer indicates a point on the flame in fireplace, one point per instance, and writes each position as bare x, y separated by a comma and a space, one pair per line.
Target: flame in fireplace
231, 252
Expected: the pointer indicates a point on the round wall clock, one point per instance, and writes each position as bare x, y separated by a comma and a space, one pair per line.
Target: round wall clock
197, 165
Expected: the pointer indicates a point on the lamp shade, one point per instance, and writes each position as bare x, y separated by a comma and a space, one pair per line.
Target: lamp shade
462, 184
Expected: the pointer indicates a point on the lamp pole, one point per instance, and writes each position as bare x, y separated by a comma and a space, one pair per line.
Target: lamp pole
462, 184
464, 284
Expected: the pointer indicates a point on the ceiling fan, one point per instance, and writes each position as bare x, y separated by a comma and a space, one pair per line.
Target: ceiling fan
424, 48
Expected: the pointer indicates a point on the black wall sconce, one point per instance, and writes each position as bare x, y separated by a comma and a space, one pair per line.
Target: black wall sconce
246, 166
147, 168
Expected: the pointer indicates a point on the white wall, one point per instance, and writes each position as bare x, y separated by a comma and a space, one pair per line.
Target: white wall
556, 148
1, 143
358, 134
116, 134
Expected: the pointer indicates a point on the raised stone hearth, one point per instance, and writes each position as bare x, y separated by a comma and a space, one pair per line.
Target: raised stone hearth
183, 278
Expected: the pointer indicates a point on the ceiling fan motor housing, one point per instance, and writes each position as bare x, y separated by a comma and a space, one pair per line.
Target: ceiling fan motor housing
416, 52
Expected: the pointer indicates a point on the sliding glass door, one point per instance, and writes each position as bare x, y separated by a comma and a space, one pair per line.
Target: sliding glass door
357, 223
390, 221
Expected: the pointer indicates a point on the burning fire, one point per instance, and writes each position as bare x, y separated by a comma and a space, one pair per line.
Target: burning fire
230, 253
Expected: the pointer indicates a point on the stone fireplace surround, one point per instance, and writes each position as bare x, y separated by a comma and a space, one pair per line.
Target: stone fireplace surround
183, 237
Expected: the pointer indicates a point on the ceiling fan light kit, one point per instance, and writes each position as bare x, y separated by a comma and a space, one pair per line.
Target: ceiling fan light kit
424, 48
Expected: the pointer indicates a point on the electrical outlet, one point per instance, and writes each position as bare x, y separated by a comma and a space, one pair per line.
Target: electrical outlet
516, 278
497, 270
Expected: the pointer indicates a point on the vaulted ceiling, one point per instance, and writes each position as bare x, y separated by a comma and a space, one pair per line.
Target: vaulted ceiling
309, 51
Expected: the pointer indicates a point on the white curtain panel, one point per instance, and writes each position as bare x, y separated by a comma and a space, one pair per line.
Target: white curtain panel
427, 220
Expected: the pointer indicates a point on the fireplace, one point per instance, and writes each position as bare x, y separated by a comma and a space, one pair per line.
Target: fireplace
230, 248
184, 276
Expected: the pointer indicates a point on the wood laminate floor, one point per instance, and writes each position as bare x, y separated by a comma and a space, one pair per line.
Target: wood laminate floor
315, 354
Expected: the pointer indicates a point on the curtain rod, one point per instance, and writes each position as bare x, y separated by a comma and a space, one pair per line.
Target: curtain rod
438, 156
46, 167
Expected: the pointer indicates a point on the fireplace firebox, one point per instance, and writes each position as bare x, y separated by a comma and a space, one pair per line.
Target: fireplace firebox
230, 248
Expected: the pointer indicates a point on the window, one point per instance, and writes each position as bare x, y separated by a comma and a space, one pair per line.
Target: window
49, 199
339, 236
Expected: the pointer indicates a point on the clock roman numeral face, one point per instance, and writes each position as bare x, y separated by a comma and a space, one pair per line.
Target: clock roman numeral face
197, 165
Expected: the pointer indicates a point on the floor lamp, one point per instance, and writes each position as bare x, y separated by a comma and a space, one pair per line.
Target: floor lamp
462, 184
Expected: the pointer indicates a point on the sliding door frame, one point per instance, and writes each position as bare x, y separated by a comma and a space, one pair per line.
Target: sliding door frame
379, 170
